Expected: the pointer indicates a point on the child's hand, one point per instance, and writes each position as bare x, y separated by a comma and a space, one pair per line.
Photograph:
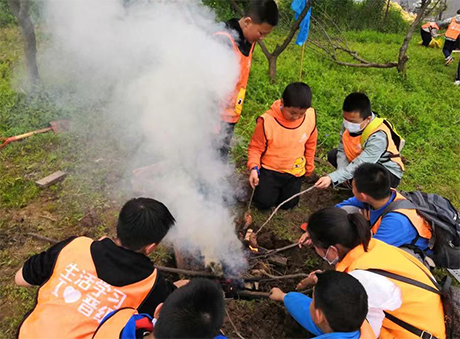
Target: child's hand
323, 182
276, 294
305, 240
309, 281
254, 178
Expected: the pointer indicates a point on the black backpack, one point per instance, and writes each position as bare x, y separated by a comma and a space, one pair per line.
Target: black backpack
444, 220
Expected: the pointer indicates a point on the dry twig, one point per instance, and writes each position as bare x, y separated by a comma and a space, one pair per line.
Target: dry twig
233, 325
278, 207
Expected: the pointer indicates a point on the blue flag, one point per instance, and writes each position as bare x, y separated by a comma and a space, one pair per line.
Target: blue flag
298, 6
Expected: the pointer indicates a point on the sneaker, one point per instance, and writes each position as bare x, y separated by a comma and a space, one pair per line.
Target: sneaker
449, 60
457, 82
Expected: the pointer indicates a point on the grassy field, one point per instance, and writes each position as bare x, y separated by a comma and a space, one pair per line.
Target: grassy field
425, 109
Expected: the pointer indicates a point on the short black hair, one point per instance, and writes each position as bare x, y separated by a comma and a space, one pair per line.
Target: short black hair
297, 94
193, 311
373, 180
342, 299
143, 221
458, 12
263, 11
358, 102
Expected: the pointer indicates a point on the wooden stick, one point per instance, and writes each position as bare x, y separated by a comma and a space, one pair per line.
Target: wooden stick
276, 250
49, 218
234, 327
250, 200
283, 277
43, 238
301, 61
285, 201
187, 272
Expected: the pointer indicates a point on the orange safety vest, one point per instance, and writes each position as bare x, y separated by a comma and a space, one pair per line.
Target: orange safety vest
112, 327
431, 25
421, 225
353, 146
453, 30
420, 308
73, 301
285, 148
232, 111
366, 331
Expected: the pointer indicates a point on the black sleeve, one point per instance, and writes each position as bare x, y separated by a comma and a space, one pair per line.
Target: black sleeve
38, 268
158, 294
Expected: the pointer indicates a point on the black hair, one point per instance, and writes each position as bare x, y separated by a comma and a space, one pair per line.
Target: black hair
342, 299
332, 225
373, 180
298, 95
358, 102
458, 12
263, 11
193, 311
143, 221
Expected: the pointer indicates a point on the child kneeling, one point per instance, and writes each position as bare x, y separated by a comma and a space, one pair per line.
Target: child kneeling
338, 308
282, 148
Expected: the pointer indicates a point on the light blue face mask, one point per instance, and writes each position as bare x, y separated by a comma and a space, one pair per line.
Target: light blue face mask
352, 127
333, 262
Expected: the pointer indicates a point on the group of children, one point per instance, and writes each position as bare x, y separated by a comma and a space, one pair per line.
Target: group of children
429, 31
111, 289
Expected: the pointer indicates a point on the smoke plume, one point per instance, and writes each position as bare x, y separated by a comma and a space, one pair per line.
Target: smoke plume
158, 70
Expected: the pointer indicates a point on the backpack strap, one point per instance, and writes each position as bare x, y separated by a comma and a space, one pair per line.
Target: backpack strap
398, 204
408, 327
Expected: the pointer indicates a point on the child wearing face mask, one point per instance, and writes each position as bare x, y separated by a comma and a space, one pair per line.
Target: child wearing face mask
364, 138
282, 148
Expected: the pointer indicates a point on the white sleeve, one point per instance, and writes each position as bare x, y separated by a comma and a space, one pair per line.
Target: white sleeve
382, 295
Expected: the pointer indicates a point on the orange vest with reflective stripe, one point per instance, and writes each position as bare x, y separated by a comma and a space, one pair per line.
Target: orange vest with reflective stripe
285, 149
73, 301
419, 308
352, 146
366, 331
453, 30
232, 112
431, 25
420, 224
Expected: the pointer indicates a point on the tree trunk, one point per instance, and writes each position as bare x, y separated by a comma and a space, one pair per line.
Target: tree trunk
272, 68
20, 9
402, 58
386, 11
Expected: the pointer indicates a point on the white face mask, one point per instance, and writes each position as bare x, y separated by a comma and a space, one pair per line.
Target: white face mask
457, 18
333, 262
352, 127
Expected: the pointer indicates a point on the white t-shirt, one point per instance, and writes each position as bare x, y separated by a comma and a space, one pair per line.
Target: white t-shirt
382, 295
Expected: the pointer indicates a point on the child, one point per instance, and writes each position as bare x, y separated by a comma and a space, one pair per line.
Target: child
82, 280
372, 194
282, 148
338, 308
452, 33
257, 22
364, 138
429, 31
196, 310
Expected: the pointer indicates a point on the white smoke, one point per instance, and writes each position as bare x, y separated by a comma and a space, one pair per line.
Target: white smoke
158, 68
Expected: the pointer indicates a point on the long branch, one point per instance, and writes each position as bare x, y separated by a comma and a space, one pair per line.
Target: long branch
285, 201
